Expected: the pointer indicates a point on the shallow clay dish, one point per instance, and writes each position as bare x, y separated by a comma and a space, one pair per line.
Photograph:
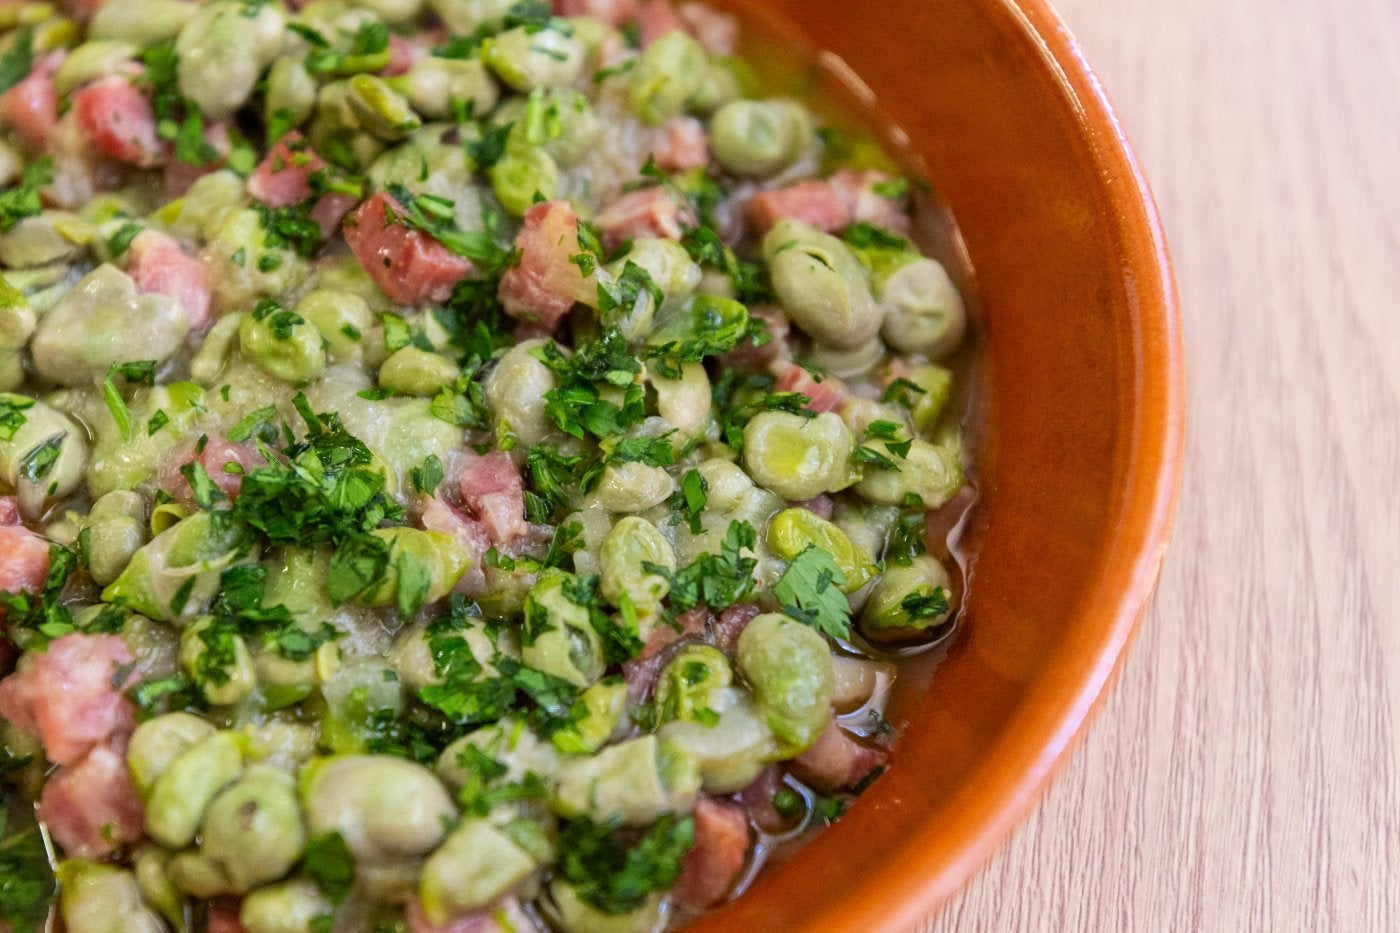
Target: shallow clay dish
1085, 394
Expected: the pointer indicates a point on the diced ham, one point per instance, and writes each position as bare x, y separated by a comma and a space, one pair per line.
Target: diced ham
690, 624
493, 493
682, 145
283, 177
545, 284
657, 18
31, 106
330, 211
827, 395
507, 916
647, 212
612, 12
9, 510
749, 357
92, 808
403, 53
225, 920
717, 32
24, 558
731, 624
408, 265
863, 203
216, 456
715, 859
119, 120
813, 202
837, 761
822, 506
64, 695
156, 263
757, 800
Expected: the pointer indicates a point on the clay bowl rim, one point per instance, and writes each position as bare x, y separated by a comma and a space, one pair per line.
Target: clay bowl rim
937, 858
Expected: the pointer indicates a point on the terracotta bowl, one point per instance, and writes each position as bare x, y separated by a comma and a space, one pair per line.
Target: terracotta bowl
1085, 392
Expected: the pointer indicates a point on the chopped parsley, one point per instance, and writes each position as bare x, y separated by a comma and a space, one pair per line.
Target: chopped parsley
328, 862
688, 502
434, 216
714, 580
18, 60
22, 200
578, 406
616, 877
12, 417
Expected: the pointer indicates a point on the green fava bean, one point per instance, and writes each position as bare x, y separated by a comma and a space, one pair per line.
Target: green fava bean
667, 76
795, 457
343, 319
158, 742
182, 792
92, 60
222, 52
572, 914
789, 667
524, 176
379, 109
141, 22
929, 472
433, 84
632, 543
98, 898
760, 137
385, 808
477, 865
558, 637
151, 865
821, 285
223, 681
528, 60
731, 747
253, 830
45, 456
438, 561
282, 343
411, 371
291, 92
683, 690
289, 907
604, 705
465, 17
908, 598
924, 312
792, 530
176, 575
515, 392
113, 534
103, 321
636, 782
937, 385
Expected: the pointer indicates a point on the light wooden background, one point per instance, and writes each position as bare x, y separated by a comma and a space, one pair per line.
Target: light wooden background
1243, 774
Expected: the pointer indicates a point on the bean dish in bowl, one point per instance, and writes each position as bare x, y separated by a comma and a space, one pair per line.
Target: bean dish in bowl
466, 466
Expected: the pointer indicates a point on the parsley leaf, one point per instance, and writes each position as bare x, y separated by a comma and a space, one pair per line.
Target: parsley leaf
22, 200
12, 417
614, 877
717, 581
26, 883
810, 591
578, 406
434, 216
689, 500
329, 863
18, 60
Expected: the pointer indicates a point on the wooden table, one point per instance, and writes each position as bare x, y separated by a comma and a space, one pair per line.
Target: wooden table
1243, 774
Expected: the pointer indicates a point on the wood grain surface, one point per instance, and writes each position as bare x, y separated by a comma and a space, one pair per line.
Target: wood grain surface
1243, 774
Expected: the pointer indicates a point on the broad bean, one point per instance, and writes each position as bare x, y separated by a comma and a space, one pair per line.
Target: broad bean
631, 543
343, 319
821, 285
924, 311
143, 23
558, 637
913, 597
182, 792
253, 830
176, 574
760, 137
158, 742
98, 898
385, 808
515, 391
527, 59
667, 76
931, 473
223, 50
635, 782
795, 457
411, 371
115, 530
288, 907
633, 487
794, 530
788, 665
103, 321
477, 865
434, 85
44, 458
